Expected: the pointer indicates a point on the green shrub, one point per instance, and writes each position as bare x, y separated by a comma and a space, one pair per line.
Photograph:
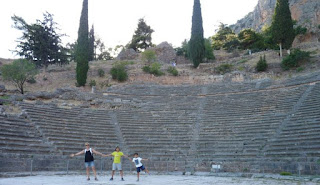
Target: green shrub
295, 59
101, 72
123, 63
92, 83
243, 61
224, 68
172, 70
300, 69
18, 72
32, 80
319, 26
118, 72
104, 84
241, 68
149, 56
154, 69
5, 97
285, 173
262, 64
146, 69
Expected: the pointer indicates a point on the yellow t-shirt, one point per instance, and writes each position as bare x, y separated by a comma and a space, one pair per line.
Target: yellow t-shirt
117, 157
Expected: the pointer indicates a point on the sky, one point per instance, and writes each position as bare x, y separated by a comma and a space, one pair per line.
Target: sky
116, 20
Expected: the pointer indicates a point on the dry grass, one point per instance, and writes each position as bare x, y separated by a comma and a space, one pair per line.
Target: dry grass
58, 77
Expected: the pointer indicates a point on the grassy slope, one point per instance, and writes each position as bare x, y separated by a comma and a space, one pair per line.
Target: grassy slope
65, 76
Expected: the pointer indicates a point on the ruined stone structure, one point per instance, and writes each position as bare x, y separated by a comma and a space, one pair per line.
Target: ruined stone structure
252, 127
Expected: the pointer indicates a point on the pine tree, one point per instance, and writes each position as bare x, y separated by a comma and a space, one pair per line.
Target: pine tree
196, 44
282, 30
82, 49
142, 38
40, 42
91, 44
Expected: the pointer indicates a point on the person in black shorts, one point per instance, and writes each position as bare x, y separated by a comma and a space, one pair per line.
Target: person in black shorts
89, 160
140, 167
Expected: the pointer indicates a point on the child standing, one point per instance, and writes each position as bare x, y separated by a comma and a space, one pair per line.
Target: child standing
137, 161
117, 154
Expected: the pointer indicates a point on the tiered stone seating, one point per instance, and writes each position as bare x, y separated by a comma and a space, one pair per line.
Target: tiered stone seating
69, 129
266, 127
20, 137
299, 140
236, 127
163, 130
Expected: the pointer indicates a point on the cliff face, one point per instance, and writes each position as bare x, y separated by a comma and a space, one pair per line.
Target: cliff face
306, 12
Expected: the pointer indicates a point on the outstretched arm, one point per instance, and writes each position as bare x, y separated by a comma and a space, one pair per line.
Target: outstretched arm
96, 152
108, 155
144, 159
79, 153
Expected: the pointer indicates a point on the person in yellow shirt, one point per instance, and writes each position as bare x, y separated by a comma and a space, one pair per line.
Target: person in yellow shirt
117, 154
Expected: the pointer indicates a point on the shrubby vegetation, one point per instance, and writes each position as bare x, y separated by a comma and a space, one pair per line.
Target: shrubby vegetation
154, 68
295, 59
172, 70
19, 72
101, 72
119, 72
184, 50
224, 68
92, 83
262, 64
285, 173
149, 56
224, 38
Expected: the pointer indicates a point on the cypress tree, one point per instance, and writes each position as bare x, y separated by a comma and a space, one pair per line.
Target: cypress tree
91, 44
282, 30
82, 50
196, 44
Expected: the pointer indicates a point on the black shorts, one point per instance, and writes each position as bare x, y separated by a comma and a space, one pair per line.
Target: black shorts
141, 168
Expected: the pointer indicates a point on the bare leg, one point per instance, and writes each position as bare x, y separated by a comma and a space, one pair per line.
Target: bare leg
121, 173
88, 172
147, 171
112, 173
94, 171
138, 174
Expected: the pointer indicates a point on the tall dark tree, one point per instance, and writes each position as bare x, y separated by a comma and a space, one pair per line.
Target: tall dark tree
142, 38
82, 49
282, 30
196, 43
92, 53
40, 41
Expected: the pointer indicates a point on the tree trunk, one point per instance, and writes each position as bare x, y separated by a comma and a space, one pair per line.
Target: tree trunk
280, 45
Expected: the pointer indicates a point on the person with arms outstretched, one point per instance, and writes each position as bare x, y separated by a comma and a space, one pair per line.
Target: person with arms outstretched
140, 167
88, 159
117, 154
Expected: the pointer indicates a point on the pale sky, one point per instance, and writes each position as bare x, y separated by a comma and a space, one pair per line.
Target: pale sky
116, 20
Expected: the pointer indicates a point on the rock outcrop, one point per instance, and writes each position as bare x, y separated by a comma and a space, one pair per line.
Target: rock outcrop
128, 54
306, 12
165, 52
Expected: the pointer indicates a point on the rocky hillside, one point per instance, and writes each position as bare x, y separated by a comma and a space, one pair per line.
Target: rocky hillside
306, 12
